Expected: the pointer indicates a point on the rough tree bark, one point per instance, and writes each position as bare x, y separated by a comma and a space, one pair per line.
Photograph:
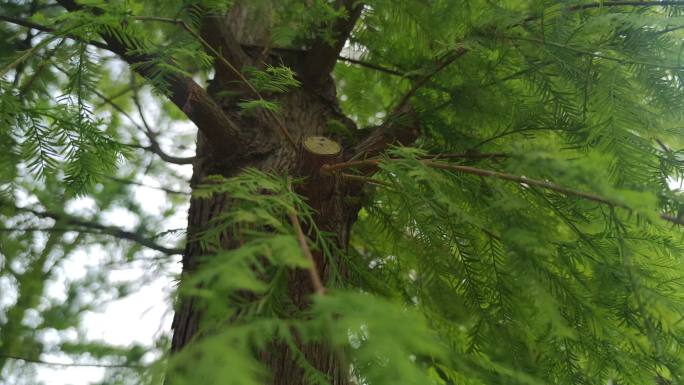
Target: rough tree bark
306, 112
228, 141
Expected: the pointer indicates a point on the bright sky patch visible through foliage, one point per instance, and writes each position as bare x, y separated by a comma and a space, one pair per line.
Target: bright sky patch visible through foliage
499, 204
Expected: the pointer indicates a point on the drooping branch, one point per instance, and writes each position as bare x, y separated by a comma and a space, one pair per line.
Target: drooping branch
184, 92
81, 225
329, 169
322, 56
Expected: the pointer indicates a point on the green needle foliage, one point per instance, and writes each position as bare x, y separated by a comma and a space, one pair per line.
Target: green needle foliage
531, 234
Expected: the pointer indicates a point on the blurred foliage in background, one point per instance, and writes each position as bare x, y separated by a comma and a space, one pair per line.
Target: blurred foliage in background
562, 263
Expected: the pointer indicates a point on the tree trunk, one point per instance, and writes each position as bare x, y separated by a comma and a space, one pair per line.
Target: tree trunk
306, 112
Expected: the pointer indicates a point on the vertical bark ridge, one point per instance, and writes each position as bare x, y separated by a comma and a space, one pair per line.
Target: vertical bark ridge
306, 111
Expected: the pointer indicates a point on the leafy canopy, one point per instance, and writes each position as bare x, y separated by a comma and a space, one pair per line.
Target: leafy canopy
529, 236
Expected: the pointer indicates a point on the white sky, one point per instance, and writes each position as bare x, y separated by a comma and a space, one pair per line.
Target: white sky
147, 312
138, 318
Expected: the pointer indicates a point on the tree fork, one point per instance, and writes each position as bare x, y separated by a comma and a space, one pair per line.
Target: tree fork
306, 114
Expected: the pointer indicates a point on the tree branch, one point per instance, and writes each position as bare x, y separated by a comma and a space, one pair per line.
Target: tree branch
44, 28
328, 169
82, 225
281, 126
154, 146
185, 93
442, 63
401, 128
373, 66
608, 3
152, 137
316, 281
132, 182
601, 56
68, 364
321, 57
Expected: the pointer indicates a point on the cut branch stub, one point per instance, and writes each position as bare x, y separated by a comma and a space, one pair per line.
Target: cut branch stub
317, 151
321, 146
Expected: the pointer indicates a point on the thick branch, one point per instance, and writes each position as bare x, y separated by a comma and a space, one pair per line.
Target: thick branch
184, 92
322, 56
221, 39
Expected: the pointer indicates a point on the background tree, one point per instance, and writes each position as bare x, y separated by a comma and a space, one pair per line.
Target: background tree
383, 191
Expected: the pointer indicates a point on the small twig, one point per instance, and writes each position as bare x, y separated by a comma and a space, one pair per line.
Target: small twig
373, 66
36, 73
152, 135
132, 182
154, 145
25, 56
364, 179
67, 364
313, 271
447, 59
601, 4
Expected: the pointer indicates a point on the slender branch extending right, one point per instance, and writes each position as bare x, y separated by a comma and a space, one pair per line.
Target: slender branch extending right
331, 169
